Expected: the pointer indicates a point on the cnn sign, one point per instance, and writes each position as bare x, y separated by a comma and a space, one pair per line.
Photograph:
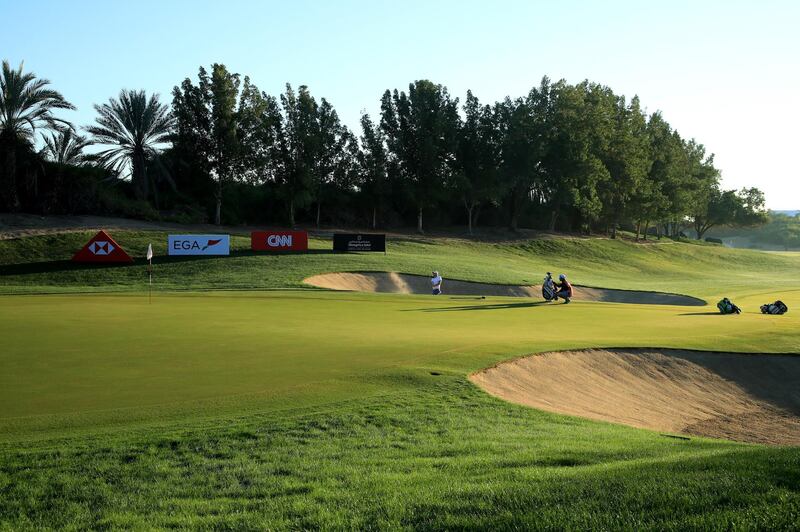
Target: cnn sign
199, 245
279, 240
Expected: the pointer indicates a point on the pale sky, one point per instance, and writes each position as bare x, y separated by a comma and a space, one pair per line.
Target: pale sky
724, 72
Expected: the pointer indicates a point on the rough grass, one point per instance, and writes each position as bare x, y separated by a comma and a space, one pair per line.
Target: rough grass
445, 456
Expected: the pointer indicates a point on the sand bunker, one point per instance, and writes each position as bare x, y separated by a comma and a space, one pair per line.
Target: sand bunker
402, 283
751, 398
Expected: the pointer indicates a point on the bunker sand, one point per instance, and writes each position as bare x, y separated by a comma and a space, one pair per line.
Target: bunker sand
749, 398
402, 283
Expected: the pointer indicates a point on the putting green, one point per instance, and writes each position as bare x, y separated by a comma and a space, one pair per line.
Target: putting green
74, 362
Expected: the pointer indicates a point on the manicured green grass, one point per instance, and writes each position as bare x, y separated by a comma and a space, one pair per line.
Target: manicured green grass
308, 409
75, 361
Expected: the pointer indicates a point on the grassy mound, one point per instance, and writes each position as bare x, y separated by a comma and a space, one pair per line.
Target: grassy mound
42, 264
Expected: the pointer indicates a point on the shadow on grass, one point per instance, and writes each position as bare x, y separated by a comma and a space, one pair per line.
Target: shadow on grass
716, 313
51, 266
496, 306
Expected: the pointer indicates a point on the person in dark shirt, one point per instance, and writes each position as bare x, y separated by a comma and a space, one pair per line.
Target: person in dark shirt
564, 289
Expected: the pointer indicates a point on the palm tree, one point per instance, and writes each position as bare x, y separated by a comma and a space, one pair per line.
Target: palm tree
26, 104
134, 127
63, 147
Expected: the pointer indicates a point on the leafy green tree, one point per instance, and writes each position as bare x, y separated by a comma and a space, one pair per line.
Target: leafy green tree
373, 166
134, 128
192, 141
522, 145
736, 209
225, 146
572, 165
26, 104
478, 158
253, 135
331, 159
208, 127
297, 148
626, 156
421, 130
751, 210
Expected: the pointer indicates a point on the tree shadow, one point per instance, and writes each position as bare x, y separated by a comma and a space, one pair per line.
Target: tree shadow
496, 306
52, 266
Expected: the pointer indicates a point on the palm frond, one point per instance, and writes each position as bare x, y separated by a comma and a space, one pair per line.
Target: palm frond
27, 103
132, 123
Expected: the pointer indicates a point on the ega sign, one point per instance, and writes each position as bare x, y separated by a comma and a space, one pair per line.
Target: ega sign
279, 240
199, 245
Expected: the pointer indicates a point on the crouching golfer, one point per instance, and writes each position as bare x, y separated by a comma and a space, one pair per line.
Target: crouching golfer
564, 289
436, 283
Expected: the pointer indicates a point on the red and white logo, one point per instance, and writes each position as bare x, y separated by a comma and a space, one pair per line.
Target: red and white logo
279, 240
102, 248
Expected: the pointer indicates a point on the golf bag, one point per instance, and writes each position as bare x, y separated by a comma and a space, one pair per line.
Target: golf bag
779, 307
548, 289
726, 306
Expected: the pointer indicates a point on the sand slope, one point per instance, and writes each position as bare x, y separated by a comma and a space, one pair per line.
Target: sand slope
403, 283
752, 398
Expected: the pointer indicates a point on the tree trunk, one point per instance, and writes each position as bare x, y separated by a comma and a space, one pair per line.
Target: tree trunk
155, 196
10, 185
638, 230
646, 229
291, 213
319, 212
553, 218
419, 221
51, 202
218, 197
470, 208
374, 217
139, 176
613, 230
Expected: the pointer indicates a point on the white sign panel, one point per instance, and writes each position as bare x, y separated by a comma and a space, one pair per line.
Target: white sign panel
199, 245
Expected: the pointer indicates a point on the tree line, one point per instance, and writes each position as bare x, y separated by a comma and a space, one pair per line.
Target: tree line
573, 157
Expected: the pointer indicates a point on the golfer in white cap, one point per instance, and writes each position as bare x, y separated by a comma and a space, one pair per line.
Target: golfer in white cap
436, 283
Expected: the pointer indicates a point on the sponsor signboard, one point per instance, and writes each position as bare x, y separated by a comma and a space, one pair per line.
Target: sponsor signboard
359, 242
279, 240
199, 245
102, 248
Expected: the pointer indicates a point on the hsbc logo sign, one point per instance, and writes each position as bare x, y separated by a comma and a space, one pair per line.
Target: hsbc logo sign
199, 245
101, 247
279, 240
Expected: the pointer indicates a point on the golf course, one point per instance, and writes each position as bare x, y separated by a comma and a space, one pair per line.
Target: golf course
242, 395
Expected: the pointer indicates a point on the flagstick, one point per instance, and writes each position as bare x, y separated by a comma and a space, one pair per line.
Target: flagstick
150, 273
